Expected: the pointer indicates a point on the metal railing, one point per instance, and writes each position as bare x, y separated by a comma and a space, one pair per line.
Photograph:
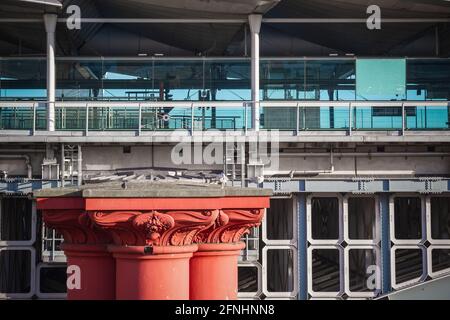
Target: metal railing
294, 116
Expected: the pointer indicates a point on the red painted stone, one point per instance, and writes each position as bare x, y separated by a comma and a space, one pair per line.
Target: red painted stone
152, 250
85, 247
214, 273
219, 249
157, 248
152, 275
97, 272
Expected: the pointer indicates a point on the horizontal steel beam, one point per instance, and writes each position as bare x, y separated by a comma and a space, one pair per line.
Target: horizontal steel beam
427, 185
350, 20
232, 21
228, 104
23, 187
203, 58
175, 136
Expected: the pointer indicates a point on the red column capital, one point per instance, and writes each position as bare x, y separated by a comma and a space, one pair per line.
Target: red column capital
231, 225
154, 228
75, 226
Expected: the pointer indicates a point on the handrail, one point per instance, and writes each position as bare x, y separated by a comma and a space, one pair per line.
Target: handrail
225, 104
351, 119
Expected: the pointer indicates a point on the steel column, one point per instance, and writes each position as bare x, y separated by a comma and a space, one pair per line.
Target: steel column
302, 248
50, 27
255, 26
385, 244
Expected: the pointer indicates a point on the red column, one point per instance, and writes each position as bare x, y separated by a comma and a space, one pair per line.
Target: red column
162, 274
152, 250
219, 251
91, 268
221, 284
97, 272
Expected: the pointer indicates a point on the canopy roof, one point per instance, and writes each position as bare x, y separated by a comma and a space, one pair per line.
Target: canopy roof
112, 39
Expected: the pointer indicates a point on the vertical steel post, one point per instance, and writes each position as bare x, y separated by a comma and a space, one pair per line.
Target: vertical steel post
50, 27
62, 165
80, 166
255, 27
350, 118
403, 119
304, 117
245, 117
302, 247
385, 243
87, 120
192, 119
34, 118
140, 120
242, 150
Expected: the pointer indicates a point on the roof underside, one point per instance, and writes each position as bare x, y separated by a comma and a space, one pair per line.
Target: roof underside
227, 39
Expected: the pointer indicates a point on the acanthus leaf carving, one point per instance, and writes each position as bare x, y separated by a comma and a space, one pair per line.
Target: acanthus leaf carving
119, 225
221, 220
75, 226
239, 223
156, 228
187, 225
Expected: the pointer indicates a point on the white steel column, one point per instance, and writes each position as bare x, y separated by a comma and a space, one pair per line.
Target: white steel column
255, 26
50, 27
79, 166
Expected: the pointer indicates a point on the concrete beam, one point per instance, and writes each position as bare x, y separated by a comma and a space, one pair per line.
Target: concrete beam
149, 137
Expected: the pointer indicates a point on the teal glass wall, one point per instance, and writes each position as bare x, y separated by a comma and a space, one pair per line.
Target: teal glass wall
154, 79
427, 118
326, 80
228, 79
306, 79
309, 118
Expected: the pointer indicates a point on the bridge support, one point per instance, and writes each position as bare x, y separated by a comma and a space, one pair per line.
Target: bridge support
153, 247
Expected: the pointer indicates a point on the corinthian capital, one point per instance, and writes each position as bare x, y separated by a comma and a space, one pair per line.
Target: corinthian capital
75, 226
154, 228
231, 225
